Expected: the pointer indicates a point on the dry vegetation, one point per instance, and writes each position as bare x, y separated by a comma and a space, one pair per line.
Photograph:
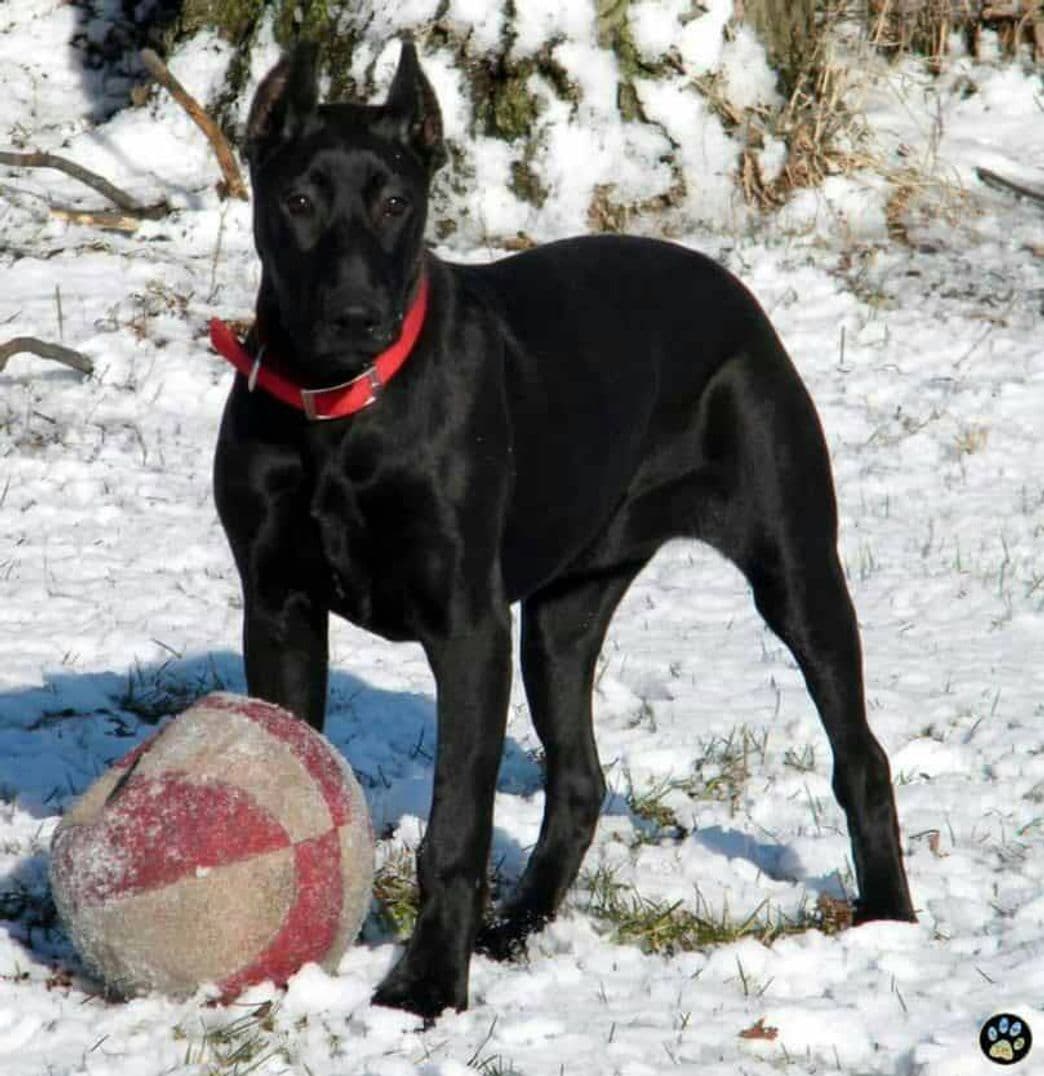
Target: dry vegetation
824, 52
821, 124
671, 927
927, 26
821, 50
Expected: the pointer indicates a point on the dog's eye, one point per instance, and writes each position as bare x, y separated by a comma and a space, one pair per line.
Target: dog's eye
298, 205
395, 206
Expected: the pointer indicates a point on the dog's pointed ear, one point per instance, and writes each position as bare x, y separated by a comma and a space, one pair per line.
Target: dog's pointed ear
412, 101
286, 99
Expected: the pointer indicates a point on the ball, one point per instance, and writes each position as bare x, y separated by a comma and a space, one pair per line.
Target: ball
231, 848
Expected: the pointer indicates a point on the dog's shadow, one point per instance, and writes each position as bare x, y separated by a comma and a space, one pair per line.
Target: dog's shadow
57, 738
777, 861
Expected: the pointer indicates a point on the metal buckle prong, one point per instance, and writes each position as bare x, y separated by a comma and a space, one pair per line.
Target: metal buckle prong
369, 375
255, 369
376, 384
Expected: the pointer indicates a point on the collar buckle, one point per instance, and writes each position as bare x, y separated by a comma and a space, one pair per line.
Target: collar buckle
370, 376
376, 384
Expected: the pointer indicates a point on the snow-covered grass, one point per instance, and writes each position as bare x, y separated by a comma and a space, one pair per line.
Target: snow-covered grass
119, 602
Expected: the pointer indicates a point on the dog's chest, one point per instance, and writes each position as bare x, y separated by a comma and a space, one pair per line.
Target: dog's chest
386, 559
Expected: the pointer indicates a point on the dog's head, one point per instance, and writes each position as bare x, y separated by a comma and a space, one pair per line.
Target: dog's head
340, 201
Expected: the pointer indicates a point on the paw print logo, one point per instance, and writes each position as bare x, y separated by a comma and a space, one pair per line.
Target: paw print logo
1005, 1039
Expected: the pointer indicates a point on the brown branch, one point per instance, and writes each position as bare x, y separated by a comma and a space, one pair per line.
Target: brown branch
97, 218
41, 159
234, 186
992, 179
56, 352
997, 12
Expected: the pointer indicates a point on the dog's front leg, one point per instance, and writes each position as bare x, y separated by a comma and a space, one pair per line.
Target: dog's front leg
285, 652
473, 681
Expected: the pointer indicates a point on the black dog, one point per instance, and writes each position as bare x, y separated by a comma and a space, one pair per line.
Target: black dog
550, 420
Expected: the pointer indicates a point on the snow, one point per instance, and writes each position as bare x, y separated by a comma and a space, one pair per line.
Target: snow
749, 81
694, 31
116, 586
484, 21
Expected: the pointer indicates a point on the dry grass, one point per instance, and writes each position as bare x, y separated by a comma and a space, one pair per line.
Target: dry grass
822, 125
971, 439
920, 191
823, 132
921, 26
605, 214
395, 890
152, 693
925, 27
238, 1047
668, 928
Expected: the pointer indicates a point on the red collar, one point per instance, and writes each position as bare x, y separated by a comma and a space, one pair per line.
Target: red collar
339, 400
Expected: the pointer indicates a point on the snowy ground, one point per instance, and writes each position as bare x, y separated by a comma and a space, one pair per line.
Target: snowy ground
116, 590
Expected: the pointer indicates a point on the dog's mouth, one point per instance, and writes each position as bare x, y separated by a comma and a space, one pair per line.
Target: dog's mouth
329, 353
328, 369
323, 341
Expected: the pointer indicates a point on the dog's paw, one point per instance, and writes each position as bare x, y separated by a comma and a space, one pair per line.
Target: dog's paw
504, 936
425, 993
500, 940
899, 910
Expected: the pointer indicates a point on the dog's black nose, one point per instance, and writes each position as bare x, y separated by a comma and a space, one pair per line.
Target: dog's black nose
361, 320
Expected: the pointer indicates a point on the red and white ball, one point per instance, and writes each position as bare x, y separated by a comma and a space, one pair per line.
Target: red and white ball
232, 847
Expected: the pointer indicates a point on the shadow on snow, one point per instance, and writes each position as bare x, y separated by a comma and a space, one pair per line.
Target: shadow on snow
57, 738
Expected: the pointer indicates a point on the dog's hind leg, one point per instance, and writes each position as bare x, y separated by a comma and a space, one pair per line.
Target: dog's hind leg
563, 627
800, 591
778, 523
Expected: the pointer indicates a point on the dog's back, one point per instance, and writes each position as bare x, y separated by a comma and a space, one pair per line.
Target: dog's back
572, 303
610, 346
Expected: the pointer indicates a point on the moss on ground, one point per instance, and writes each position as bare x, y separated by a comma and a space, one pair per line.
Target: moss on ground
232, 19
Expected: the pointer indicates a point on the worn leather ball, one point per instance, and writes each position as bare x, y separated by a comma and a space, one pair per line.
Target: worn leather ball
231, 848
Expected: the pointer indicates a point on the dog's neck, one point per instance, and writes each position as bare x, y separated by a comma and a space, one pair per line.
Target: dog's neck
270, 334
265, 366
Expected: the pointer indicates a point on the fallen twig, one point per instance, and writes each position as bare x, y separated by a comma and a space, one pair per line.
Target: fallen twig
1013, 9
126, 202
233, 184
992, 179
41, 348
98, 218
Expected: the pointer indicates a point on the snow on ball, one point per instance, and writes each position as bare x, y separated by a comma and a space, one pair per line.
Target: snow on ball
230, 848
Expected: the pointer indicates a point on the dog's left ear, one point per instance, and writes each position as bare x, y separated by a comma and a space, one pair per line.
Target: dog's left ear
286, 99
412, 101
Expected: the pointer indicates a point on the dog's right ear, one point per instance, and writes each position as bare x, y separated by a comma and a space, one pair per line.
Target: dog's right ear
286, 99
412, 100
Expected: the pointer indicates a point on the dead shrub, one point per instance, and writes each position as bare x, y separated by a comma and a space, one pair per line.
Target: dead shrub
925, 27
823, 134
